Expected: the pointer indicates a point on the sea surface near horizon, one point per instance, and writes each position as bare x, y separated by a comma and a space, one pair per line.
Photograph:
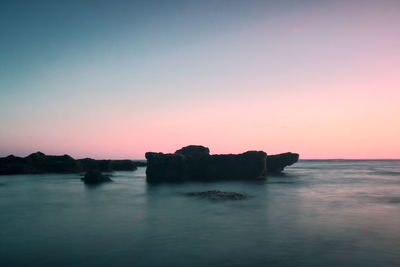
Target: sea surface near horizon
320, 213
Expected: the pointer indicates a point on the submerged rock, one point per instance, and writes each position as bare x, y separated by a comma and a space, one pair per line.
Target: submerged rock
219, 195
95, 177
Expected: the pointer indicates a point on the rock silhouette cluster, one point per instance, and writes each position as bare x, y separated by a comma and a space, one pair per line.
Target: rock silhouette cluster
41, 163
196, 163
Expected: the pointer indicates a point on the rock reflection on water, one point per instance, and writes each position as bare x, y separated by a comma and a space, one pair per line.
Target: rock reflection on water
326, 213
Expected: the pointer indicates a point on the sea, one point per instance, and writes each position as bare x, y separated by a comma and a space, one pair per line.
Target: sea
318, 213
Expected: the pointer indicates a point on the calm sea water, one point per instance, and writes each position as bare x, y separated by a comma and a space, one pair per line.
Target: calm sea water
321, 213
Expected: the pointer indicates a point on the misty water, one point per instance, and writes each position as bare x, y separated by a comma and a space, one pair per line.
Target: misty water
320, 213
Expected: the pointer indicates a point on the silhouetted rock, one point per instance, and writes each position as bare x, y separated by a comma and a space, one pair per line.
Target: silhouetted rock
123, 165
88, 164
40, 163
195, 163
140, 163
164, 167
219, 195
276, 163
95, 177
13, 165
36, 156
249, 165
194, 151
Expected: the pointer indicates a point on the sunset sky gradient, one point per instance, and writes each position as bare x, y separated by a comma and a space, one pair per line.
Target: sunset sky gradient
114, 79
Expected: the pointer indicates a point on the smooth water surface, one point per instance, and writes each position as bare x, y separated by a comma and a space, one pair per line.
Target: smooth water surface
320, 213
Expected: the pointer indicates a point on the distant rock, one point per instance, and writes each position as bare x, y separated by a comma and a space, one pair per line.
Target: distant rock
194, 151
106, 165
36, 156
89, 164
123, 165
219, 195
13, 165
95, 177
41, 163
276, 163
38, 163
140, 163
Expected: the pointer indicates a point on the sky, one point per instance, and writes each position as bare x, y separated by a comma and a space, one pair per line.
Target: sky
114, 79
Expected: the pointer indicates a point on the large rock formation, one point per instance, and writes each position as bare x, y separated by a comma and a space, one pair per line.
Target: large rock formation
196, 163
179, 167
41, 163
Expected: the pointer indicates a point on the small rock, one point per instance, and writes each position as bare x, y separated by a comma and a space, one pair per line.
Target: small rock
95, 177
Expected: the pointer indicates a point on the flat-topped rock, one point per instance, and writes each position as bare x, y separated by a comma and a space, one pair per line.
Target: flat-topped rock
200, 166
194, 151
195, 163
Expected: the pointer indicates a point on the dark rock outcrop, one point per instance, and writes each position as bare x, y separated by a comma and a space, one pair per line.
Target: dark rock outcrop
41, 163
196, 163
13, 165
249, 165
123, 165
219, 195
103, 165
95, 177
38, 163
194, 151
276, 163
140, 163
164, 167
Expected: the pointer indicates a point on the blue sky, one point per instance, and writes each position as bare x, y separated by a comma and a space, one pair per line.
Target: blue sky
90, 78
